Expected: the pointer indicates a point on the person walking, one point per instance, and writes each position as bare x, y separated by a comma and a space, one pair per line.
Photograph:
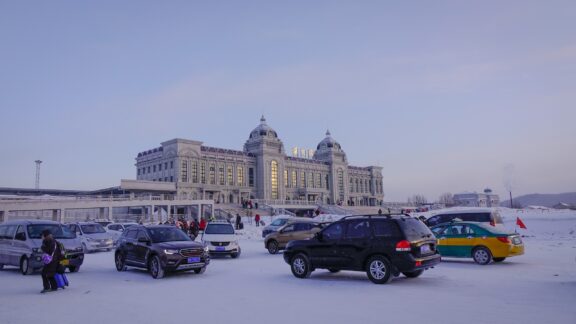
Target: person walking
238, 221
257, 219
202, 224
51, 259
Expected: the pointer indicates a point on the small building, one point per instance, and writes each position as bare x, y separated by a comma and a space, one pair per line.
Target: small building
474, 199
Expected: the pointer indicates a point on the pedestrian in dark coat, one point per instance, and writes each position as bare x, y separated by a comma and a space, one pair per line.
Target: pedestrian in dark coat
50, 247
238, 221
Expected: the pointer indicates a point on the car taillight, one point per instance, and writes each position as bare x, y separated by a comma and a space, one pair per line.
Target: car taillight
403, 246
503, 239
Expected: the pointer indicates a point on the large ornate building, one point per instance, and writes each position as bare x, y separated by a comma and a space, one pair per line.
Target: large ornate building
261, 171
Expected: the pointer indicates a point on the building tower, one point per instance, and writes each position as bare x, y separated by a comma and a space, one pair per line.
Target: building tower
38, 162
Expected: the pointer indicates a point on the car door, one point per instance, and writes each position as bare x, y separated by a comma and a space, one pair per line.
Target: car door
19, 245
453, 241
355, 243
12, 249
128, 246
324, 252
285, 234
303, 231
141, 248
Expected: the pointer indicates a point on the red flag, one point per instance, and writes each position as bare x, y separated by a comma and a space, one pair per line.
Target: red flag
520, 223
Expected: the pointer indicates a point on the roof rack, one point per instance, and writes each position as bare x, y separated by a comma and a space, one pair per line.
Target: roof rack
387, 215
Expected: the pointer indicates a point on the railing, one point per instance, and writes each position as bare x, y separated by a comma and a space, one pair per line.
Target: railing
97, 198
284, 202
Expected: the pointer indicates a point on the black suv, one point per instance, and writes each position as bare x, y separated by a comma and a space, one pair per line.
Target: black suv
160, 249
384, 246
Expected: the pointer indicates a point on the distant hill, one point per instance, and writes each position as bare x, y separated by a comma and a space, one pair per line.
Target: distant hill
546, 200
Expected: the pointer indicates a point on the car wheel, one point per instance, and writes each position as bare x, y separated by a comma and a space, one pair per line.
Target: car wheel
378, 270
120, 262
156, 268
333, 270
25, 267
74, 268
235, 255
272, 247
200, 270
413, 274
482, 255
498, 259
300, 266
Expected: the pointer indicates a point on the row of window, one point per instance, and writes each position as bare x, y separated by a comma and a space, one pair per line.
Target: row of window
218, 173
364, 185
307, 179
165, 179
155, 167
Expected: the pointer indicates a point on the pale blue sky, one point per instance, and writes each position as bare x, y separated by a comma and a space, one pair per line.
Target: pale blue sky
444, 95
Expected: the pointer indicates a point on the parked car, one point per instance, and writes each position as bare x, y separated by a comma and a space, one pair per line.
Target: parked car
116, 229
220, 239
480, 241
93, 236
298, 230
485, 215
382, 246
159, 249
278, 222
21, 242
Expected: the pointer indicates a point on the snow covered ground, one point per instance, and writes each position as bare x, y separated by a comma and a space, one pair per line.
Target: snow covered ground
538, 287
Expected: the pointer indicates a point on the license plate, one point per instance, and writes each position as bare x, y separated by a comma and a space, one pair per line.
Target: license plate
220, 248
516, 240
65, 262
425, 249
193, 259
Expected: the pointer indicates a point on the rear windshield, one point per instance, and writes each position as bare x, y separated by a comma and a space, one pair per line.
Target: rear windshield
165, 234
219, 229
414, 229
58, 231
92, 229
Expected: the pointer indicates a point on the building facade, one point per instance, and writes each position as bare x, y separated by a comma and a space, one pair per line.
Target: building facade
474, 199
262, 170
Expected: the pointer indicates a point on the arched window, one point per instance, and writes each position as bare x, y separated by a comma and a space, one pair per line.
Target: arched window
274, 179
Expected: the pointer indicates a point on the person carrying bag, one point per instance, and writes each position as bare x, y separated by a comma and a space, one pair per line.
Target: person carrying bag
51, 260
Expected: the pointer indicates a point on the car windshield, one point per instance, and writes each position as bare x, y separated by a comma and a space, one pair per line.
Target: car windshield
167, 234
58, 231
128, 225
279, 222
92, 229
219, 229
414, 229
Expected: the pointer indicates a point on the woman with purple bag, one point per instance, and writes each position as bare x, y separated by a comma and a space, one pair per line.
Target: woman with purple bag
51, 259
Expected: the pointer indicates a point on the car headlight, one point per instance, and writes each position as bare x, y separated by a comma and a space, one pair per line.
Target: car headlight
170, 251
90, 239
206, 249
37, 250
206, 243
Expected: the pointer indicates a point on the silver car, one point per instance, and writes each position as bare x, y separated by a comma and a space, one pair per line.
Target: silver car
21, 240
93, 236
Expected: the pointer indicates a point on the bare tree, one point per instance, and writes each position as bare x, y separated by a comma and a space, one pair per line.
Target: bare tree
446, 199
418, 200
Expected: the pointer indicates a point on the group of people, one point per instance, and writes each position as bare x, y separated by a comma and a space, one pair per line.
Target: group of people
247, 204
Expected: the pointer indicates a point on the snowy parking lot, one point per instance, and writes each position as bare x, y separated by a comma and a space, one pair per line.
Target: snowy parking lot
538, 287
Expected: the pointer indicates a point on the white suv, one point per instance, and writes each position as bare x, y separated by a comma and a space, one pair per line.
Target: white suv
219, 238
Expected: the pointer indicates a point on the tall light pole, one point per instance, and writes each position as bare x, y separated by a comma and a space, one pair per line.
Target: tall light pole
38, 174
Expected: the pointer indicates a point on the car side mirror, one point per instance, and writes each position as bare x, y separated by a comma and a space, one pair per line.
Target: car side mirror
319, 236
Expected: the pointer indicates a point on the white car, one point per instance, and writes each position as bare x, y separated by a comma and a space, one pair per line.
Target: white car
92, 235
116, 229
220, 239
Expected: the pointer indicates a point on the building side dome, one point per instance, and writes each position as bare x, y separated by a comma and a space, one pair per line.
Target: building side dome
329, 143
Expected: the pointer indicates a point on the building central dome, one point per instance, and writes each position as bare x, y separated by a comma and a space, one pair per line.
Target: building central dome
328, 143
263, 130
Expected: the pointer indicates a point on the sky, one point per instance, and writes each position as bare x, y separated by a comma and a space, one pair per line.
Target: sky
446, 96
